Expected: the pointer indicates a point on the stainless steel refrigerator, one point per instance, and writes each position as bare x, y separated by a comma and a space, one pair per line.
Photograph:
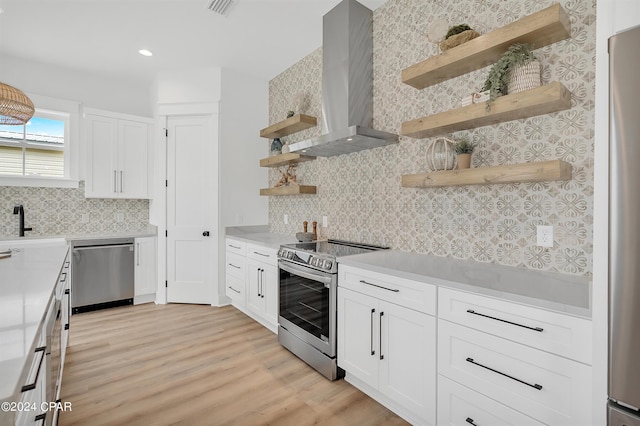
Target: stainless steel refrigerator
624, 229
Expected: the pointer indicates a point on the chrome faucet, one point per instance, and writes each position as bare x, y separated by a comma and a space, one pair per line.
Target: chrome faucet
20, 210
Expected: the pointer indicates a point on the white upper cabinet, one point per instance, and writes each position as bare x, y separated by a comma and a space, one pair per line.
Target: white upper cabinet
118, 155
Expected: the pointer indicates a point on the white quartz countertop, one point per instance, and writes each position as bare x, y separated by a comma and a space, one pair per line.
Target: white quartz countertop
259, 235
151, 231
559, 292
548, 290
27, 281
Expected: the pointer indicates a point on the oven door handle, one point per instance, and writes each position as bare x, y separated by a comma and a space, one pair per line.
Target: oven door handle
305, 272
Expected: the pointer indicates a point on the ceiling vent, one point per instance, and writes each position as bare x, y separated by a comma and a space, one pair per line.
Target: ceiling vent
219, 6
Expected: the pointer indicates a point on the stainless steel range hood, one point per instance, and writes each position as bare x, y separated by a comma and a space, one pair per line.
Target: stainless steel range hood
347, 85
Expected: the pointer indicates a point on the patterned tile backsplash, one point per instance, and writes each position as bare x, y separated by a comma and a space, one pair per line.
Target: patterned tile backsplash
361, 195
59, 211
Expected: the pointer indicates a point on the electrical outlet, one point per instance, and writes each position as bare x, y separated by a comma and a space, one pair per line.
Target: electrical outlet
324, 222
119, 217
545, 236
85, 218
286, 219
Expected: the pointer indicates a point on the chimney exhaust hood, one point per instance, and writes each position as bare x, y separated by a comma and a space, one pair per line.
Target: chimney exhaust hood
347, 85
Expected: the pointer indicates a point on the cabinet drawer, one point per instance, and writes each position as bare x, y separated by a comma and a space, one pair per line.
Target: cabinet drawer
549, 331
236, 265
235, 289
411, 294
552, 389
262, 254
235, 246
461, 406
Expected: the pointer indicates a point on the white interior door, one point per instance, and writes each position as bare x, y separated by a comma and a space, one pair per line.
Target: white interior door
192, 213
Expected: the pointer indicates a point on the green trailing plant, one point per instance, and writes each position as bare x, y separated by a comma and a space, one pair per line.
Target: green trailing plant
457, 29
497, 79
463, 146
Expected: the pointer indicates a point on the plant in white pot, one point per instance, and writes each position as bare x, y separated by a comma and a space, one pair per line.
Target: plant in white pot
518, 69
464, 149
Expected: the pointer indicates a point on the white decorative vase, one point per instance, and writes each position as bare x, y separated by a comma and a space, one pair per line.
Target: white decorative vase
441, 154
524, 77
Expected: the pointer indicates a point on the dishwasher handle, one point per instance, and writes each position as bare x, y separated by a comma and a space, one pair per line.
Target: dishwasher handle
102, 247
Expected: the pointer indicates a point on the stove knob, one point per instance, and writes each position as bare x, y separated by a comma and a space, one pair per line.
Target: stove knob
281, 253
290, 255
328, 264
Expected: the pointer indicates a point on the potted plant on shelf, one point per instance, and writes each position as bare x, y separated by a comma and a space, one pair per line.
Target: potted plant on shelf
464, 148
517, 69
457, 35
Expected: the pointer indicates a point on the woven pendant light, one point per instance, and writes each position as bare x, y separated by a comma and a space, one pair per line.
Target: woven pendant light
15, 106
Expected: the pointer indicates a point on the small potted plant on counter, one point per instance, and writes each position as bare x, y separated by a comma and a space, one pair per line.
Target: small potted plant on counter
464, 148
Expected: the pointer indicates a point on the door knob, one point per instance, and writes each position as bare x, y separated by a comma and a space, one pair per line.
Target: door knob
205, 234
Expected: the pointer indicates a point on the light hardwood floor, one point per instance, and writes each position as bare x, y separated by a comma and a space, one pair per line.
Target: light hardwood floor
197, 365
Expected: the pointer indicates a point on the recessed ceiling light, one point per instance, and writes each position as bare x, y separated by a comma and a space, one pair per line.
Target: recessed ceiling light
145, 52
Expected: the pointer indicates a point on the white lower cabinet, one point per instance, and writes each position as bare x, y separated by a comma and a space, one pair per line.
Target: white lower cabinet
236, 272
499, 362
388, 350
145, 285
520, 383
262, 294
251, 281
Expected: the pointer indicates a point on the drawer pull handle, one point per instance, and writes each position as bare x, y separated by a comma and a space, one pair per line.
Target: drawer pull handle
470, 421
234, 289
380, 330
373, 351
32, 386
395, 290
536, 386
235, 247
539, 329
261, 254
234, 266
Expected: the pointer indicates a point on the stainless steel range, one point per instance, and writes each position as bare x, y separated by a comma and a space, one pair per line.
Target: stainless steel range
308, 284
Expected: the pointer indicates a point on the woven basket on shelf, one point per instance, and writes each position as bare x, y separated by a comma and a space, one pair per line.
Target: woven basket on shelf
458, 39
524, 77
441, 154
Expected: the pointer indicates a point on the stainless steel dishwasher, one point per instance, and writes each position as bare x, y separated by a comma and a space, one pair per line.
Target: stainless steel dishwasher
102, 274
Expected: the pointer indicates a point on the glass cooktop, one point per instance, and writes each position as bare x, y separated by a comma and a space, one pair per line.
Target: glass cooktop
322, 254
334, 248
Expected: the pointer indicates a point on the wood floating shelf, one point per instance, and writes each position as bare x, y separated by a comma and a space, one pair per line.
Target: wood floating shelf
552, 97
542, 28
513, 173
289, 190
291, 125
285, 159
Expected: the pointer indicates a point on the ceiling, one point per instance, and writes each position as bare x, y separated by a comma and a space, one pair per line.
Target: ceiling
260, 38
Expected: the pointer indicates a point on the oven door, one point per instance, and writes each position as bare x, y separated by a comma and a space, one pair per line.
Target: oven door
308, 301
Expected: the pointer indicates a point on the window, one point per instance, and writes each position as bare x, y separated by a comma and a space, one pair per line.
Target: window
36, 148
39, 153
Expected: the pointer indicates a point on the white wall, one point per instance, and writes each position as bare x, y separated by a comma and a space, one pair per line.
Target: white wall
613, 16
244, 111
65, 83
